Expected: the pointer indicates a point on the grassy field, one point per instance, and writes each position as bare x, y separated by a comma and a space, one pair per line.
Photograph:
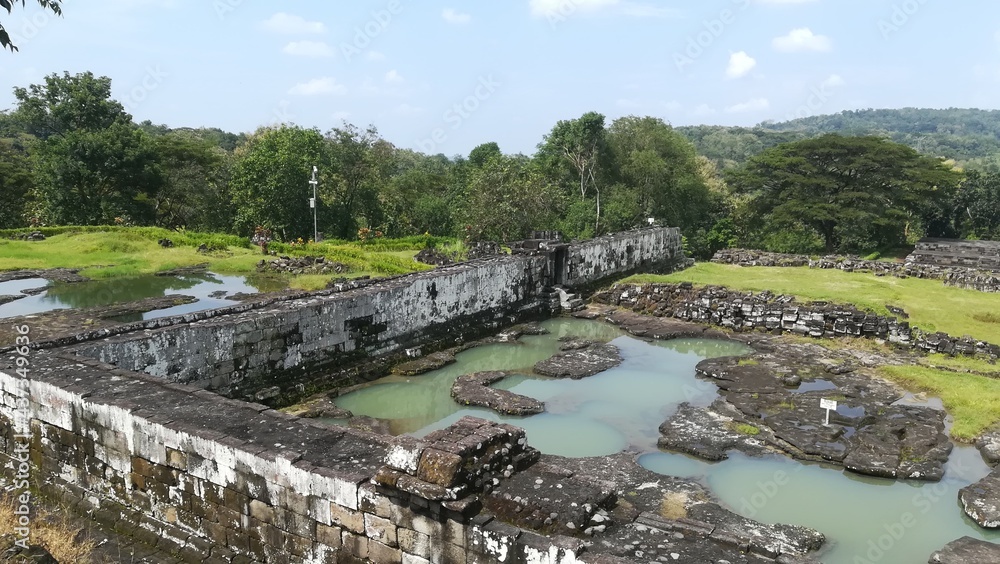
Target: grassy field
972, 400
120, 252
932, 306
968, 387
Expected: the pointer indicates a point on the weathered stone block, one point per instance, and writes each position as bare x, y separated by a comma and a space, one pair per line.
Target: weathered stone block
438, 467
381, 530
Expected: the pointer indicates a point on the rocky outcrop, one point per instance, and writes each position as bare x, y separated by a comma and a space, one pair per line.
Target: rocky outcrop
66, 275
474, 389
708, 434
765, 311
963, 269
8, 299
433, 257
579, 359
989, 445
981, 501
967, 550
425, 364
302, 265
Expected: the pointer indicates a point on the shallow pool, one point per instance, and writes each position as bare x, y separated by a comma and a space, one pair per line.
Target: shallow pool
96, 293
866, 520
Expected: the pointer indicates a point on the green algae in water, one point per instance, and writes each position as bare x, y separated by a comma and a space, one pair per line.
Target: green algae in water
596, 416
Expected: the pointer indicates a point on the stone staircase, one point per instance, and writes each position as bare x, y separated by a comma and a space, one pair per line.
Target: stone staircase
569, 302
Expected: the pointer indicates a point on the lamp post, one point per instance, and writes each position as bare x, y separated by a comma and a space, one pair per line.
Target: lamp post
312, 204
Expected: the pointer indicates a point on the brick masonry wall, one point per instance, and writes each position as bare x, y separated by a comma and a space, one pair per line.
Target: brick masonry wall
213, 480
952, 272
287, 349
764, 311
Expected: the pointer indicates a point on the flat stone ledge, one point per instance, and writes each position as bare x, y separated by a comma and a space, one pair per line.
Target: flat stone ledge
475, 389
967, 550
981, 502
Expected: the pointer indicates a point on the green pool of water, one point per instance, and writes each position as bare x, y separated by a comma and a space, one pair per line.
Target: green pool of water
96, 293
865, 520
595, 416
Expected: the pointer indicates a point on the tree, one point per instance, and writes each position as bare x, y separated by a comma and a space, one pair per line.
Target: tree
977, 206
270, 181
662, 171
581, 144
856, 193
483, 153
508, 198
362, 162
92, 164
5, 40
195, 193
16, 183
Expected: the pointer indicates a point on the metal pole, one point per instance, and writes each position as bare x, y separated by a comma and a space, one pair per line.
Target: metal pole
315, 203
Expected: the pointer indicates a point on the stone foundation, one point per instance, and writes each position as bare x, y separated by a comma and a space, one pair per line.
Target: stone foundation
746, 311
959, 273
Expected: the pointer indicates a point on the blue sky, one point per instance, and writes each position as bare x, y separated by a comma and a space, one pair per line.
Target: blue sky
445, 76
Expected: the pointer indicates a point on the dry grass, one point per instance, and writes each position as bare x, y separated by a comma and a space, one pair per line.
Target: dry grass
53, 531
674, 505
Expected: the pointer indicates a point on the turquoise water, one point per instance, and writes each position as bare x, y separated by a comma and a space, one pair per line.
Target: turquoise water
599, 415
121, 290
866, 520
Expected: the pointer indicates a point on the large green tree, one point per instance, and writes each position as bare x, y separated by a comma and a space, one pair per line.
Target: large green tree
5, 39
660, 173
92, 164
16, 182
578, 148
855, 193
270, 181
977, 206
509, 197
362, 162
195, 193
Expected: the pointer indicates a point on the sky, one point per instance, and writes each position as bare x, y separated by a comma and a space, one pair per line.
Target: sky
445, 76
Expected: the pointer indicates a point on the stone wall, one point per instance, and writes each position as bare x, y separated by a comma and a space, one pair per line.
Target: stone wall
979, 255
646, 250
281, 350
746, 311
214, 480
958, 276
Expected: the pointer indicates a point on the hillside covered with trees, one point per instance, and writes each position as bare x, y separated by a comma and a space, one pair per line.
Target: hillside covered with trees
72, 155
970, 137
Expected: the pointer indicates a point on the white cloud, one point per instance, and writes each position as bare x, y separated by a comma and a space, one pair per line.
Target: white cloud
308, 49
393, 76
740, 64
375, 56
405, 109
565, 8
832, 81
318, 86
289, 24
755, 105
704, 110
671, 106
454, 17
543, 8
801, 39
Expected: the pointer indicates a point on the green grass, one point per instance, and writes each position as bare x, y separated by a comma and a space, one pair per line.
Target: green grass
973, 401
748, 362
932, 306
744, 429
113, 252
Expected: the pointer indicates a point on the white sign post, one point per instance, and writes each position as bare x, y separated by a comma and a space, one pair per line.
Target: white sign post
828, 405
